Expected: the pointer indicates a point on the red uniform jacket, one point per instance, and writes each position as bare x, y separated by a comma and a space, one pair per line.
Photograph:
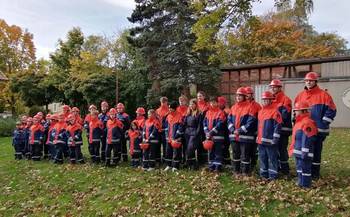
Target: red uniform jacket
284, 106
36, 134
323, 109
269, 125
114, 131
74, 132
242, 118
304, 137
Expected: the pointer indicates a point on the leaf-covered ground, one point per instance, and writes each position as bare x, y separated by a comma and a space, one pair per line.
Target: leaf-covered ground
42, 189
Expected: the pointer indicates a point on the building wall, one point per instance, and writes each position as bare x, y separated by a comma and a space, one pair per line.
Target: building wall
335, 69
336, 88
55, 107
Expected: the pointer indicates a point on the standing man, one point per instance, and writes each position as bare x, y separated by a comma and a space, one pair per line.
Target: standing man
323, 112
255, 108
103, 116
162, 112
124, 118
284, 106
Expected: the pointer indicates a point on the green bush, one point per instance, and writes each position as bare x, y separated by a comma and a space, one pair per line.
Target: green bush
7, 125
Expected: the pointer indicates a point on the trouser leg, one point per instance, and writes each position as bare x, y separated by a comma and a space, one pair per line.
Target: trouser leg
236, 157
263, 161
272, 152
316, 162
169, 155
72, 154
283, 155
245, 157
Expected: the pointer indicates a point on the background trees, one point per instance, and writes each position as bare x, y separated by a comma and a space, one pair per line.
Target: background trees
173, 46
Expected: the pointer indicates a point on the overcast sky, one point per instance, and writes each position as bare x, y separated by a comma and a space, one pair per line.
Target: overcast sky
50, 20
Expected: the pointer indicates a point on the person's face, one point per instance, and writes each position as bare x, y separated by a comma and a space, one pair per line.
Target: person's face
214, 104
150, 114
182, 101
200, 97
134, 127
92, 111
310, 84
164, 102
112, 116
275, 89
266, 102
104, 108
239, 98
171, 109
138, 115
249, 96
193, 106
75, 113
120, 110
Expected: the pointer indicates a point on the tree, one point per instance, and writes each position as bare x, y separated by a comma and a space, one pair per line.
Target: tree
34, 87
17, 56
217, 17
272, 38
164, 37
59, 73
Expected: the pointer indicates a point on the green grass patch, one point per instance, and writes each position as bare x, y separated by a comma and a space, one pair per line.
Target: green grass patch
40, 189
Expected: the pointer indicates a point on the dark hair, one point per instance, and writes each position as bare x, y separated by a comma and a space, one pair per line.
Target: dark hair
173, 105
213, 99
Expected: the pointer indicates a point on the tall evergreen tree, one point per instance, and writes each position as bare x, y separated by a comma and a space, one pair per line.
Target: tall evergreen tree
164, 36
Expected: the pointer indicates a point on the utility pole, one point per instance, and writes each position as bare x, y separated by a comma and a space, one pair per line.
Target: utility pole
116, 87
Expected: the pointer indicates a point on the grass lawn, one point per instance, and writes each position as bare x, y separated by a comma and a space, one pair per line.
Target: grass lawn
43, 189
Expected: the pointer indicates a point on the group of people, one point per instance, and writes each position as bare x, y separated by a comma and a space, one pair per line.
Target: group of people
193, 134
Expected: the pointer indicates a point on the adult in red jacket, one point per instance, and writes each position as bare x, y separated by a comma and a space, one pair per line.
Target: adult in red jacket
95, 136
203, 106
103, 116
114, 136
124, 118
242, 128
92, 109
269, 127
75, 140
183, 105
255, 108
303, 143
140, 118
323, 112
174, 134
36, 138
76, 113
66, 111
222, 102
60, 138
213, 126
182, 109
162, 112
284, 106
150, 136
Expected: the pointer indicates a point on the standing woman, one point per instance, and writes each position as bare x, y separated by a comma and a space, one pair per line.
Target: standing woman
203, 106
192, 127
